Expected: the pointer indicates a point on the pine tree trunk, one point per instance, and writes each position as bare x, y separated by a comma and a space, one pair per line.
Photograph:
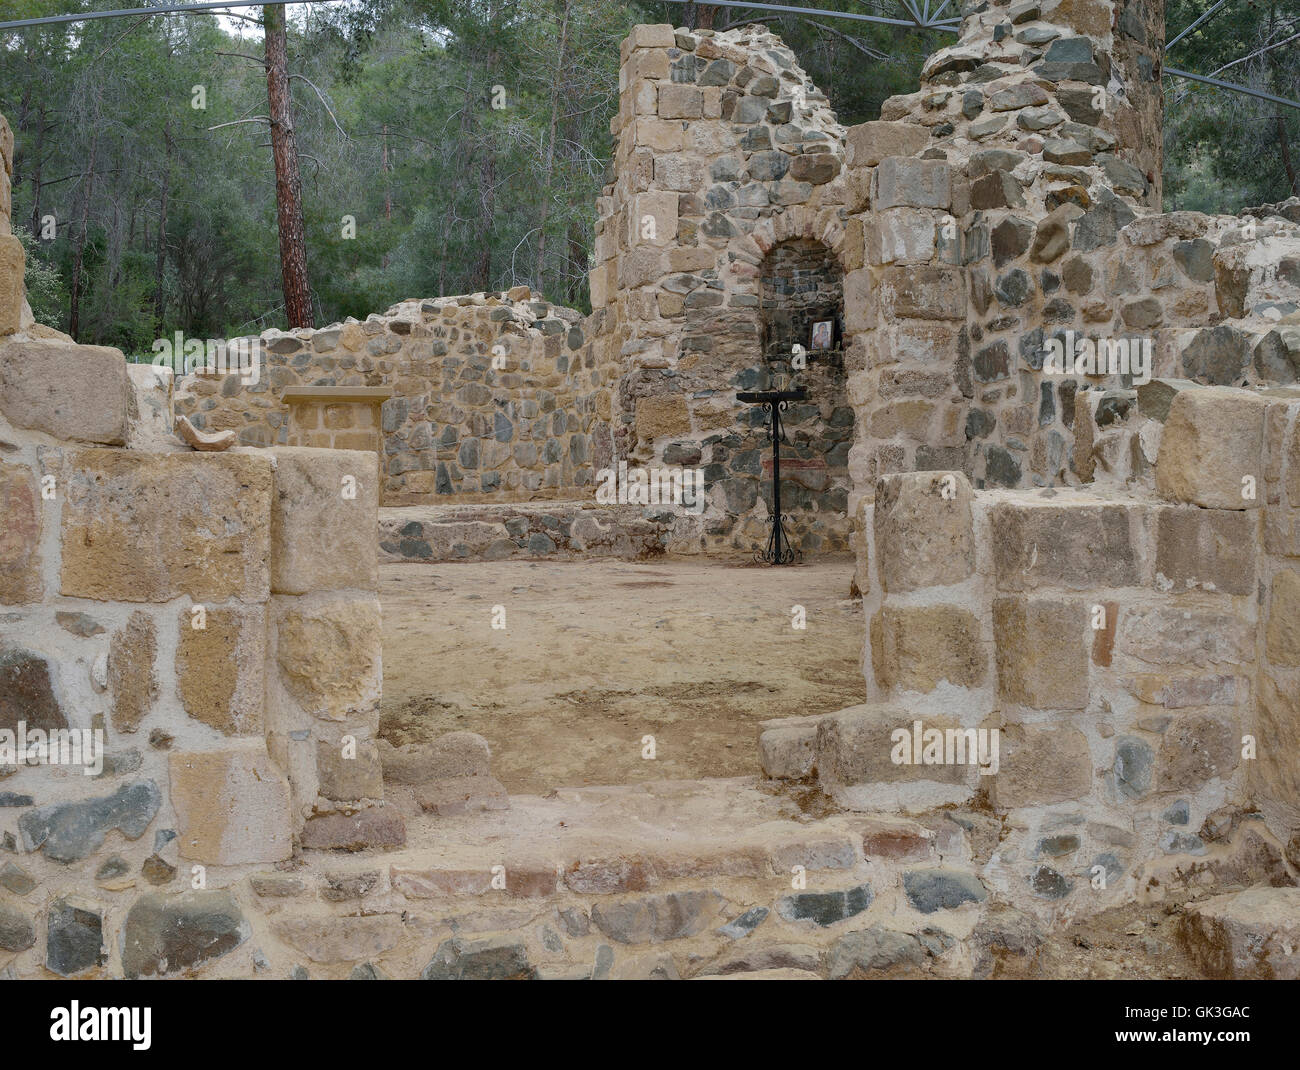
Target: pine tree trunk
549, 168
74, 317
160, 253
288, 181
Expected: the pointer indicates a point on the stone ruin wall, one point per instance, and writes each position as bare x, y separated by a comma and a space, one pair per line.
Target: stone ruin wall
1122, 741
728, 167
456, 429
1015, 197
214, 615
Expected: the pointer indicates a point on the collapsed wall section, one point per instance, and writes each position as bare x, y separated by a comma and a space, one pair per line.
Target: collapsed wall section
725, 217
479, 398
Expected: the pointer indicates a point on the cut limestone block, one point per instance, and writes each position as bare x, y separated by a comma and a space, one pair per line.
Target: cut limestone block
149, 527
866, 760
20, 536
327, 650
220, 666
869, 143
349, 772
149, 408
456, 754
916, 648
63, 389
1211, 549
1250, 935
923, 531
1080, 544
232, 805
379, 826
462, 795
1211, 449
1041, 653
13, 293
787, 747
325, 511
1040, 764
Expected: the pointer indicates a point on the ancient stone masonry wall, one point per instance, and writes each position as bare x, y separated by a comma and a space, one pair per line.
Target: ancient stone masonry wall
1133, 647
728, 171
1012, 202
211, 620
456, 428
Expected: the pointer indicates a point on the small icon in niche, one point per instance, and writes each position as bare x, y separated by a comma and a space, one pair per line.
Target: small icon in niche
823, 334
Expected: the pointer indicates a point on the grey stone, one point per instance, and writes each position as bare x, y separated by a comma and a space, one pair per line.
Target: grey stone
656, 918
115, 866
72, 830
1047, 883
825, 908
1195, 259
929, 890
575, 921
16, 879
1133, 767
1123, 176
1101, 224
875, 948
483, 960
169, 934
17, 933
1013, 288
1036, 119
79, 624
1180, 843
75, 939
745, 924
1218, 355
1000, 468
603, 964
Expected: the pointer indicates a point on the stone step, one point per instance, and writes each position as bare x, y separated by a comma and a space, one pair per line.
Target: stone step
610, 840
495, 531
850, 755
674, 878
1248, 935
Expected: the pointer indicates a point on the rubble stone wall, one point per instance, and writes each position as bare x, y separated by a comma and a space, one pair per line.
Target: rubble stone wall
728, 167
495, 397
1014, 199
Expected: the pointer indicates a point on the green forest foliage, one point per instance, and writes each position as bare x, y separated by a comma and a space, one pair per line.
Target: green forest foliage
170, 208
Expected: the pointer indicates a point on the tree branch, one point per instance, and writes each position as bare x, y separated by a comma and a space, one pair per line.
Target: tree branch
324, 104
236, 122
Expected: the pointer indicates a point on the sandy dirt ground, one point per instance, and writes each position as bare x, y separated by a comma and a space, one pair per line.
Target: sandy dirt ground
596, 655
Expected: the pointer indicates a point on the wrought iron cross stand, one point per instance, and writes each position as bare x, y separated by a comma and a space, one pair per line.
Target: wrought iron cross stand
778, 551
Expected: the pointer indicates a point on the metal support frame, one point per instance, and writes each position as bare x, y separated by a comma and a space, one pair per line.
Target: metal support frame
922, 18
778, 550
